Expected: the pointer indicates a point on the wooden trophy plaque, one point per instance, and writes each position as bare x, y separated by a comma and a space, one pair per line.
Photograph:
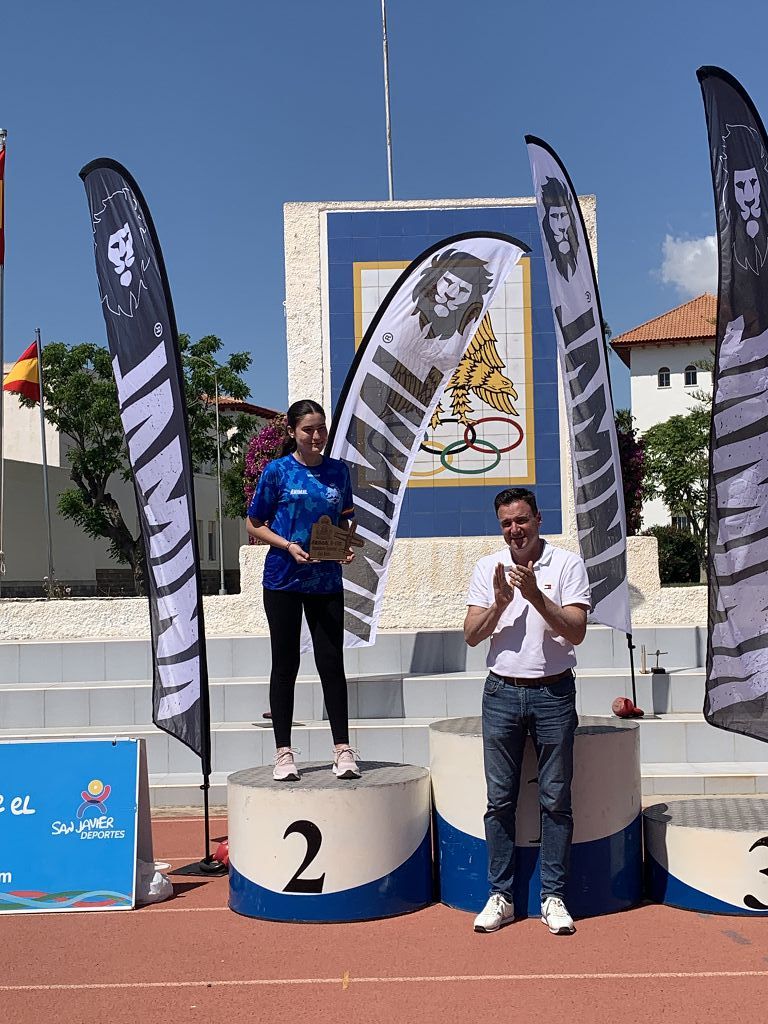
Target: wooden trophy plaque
329, 543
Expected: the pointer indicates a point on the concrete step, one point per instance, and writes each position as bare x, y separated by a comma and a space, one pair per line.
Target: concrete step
677, 690
687, 738
106, 703
672, 738
460, 693
236, 745
715, 777
175, 770
182, 789
673, 779
394, 653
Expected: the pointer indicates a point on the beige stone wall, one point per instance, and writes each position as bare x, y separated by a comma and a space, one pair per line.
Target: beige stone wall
426, 590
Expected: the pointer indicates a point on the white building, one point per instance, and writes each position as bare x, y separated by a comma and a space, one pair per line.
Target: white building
81, 563
663, 356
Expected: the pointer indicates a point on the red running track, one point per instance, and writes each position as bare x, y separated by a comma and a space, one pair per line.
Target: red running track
191, 959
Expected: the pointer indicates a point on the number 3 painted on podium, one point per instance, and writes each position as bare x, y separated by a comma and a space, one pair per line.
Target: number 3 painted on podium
314, 839
752, 901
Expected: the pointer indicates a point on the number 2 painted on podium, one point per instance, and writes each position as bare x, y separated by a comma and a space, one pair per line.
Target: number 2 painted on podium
314, 838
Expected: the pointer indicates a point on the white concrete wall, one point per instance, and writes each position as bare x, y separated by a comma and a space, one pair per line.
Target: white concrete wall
21, 431
25, 535
76, 557
652, 404
655, 513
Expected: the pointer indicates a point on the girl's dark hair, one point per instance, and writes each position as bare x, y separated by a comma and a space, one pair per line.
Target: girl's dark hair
304, 407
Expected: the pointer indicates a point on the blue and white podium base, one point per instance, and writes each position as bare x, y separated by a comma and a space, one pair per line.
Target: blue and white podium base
708, 854
324, 849
606, 855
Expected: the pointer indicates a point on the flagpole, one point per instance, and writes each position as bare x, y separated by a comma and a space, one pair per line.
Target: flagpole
46, 498
3, 137
385, 49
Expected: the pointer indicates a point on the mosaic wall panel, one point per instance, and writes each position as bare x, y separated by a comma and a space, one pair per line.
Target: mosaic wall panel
497, 424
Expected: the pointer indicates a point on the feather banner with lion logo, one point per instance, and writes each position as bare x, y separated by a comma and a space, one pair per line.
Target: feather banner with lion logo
435, 313
737, 558
143, 342
596, 468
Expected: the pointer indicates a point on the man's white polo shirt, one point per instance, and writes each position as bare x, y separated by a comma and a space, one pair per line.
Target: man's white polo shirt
524, 644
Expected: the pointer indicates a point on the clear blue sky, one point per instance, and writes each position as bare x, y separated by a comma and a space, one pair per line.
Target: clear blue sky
224, 111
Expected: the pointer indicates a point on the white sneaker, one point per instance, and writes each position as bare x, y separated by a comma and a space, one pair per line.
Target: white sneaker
556, 917
344, 763
497, 912
285, 769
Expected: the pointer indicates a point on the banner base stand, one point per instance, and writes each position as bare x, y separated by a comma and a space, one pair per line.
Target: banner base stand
207, 866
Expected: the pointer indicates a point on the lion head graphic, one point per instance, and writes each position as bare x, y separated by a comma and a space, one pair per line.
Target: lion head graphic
744, 195
120, 232
559, 226
449, 294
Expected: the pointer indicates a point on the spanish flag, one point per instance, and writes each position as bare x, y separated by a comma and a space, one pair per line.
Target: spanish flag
24, 375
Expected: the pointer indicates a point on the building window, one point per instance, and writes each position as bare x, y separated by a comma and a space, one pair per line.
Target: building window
211, 542
663, 377
681, 523
691, 377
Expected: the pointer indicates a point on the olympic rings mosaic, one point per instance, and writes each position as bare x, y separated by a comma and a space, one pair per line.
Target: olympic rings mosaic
472, 442
430, 473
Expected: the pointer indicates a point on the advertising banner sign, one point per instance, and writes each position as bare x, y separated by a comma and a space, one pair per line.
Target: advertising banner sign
143, 342
409, 353
737, 552
596, 467
68, 825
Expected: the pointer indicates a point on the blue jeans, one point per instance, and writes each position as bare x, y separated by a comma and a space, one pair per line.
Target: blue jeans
548, 713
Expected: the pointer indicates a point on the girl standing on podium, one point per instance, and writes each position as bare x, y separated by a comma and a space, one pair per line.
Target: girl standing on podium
293, 492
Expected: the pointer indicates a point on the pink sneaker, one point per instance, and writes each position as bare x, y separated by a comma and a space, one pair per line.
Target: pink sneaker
344, 764
285, 769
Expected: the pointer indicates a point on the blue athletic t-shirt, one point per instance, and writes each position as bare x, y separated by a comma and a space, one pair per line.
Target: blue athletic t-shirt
291, 497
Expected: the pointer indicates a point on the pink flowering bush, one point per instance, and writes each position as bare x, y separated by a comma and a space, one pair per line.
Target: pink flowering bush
633, 469
262, 448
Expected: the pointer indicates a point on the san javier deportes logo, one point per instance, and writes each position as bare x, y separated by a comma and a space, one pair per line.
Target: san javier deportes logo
90, 824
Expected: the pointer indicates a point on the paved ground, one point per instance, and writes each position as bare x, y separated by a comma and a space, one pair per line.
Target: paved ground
191, 959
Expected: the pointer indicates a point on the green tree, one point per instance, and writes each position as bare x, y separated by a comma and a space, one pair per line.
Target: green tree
700, 395
236, 429
678, 555
81, 402
677, 469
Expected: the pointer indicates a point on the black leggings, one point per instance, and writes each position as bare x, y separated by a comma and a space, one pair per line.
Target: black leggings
325, 618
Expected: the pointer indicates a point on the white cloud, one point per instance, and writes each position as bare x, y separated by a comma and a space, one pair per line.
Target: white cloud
690, 264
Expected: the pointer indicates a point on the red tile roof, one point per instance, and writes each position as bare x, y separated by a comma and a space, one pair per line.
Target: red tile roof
692, 321
227, 404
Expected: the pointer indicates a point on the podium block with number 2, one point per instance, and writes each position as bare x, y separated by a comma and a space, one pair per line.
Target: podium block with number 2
324, 849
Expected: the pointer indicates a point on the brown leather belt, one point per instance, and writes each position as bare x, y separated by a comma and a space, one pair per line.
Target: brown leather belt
535, 683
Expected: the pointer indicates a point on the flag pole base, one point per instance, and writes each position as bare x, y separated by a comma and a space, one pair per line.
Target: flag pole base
208, 866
